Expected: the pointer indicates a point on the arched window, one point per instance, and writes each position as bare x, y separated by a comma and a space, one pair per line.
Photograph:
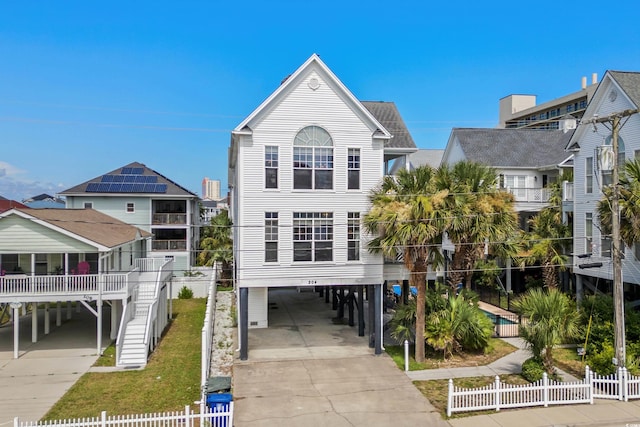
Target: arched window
313, 159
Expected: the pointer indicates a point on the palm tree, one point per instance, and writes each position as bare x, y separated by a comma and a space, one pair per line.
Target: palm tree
551, 319
476, 213
460, 325
629, 202
216, 244
404, 222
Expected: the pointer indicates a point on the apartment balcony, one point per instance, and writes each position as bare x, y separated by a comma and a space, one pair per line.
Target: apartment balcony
169, 245
169, 218
530, 195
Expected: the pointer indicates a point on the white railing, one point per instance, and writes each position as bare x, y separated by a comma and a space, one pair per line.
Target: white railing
149, 264
618, 386
169, 218
63, 284
218, 417
207, 332
532, 195
153, 326
499, 395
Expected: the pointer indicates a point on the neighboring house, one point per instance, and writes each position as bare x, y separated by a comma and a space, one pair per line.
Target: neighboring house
521, 111
6, 204
618, 91
211, 208
82, 255
526, 160
422, 157
301, 167
141, 196
44, 201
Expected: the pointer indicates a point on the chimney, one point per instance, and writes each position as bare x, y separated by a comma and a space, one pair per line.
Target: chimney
594, 78
584, 82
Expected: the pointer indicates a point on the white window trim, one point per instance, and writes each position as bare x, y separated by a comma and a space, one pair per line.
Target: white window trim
133, 207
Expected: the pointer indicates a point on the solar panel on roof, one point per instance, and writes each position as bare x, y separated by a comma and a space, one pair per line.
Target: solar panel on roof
103, 188
107, 178
161, 188
137, 171
140, 179
126, 171
152, 179
138, 188
116, 188
149, 188
118, 178
126, 188
92, 187
129, 178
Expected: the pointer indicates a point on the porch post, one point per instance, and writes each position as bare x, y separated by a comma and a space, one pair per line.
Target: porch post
244, 323
33, 264
34, 322
47, 319
69, 310
16, 329
370, 299
58, 313
99, 307
508, 274
114, 319
579, 289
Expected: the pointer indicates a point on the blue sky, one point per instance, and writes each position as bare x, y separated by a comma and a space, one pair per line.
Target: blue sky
87, 87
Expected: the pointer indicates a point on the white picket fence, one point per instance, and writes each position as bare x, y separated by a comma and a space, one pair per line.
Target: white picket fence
498, 395
219, 417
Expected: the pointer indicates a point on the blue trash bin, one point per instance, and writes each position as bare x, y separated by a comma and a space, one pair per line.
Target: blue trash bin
219, 402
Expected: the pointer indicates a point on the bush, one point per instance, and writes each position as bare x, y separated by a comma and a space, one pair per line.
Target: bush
185, 293
532, 369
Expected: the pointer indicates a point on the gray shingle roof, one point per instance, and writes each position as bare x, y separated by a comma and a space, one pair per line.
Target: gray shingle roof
173, 189
389, 117
513, 147
630, 83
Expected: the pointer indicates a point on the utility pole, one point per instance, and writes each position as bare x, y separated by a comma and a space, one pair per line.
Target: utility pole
616, 253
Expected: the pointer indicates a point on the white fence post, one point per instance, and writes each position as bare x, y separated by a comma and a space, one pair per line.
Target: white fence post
16, 422
623, 384
545, 389
103, 418
497, 387
187, 416
450, 397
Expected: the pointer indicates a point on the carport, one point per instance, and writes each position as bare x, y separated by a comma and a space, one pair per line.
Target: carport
314, 322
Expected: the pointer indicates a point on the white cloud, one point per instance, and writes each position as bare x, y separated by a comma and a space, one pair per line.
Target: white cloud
15, 185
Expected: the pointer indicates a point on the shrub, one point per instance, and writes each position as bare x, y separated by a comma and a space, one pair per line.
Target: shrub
600, 360
532, 369
185, 293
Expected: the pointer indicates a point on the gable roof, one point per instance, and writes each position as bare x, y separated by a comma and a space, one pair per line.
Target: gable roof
518, 148
6, 204
88, 224
387, 114
144, 181
629, 82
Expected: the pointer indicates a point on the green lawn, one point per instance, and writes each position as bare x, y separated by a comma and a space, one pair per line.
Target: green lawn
170, 381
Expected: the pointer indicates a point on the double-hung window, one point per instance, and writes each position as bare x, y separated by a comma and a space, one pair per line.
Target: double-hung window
353, 167
270, 166
271, 236
353, 236
313, 159
517, 185
588, 175
312, 236
588, 232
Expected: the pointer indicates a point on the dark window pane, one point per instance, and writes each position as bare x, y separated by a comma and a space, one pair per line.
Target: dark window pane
324, 179
302, 179
354, 180
324, 251
353, 253
271, 252
271, 178
302, 251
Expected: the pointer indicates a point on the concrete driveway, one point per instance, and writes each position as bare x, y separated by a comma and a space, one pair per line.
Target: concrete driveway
33, 383
305, 370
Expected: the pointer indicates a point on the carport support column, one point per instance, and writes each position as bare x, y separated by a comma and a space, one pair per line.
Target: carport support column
377, 295
34, 322
360, 311
371, 308
47, 319
244, 323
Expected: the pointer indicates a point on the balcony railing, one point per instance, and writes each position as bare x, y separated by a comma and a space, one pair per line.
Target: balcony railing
84, 284
169, 245
531, 195
169, 218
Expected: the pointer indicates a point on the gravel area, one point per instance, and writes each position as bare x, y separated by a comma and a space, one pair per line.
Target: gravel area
223, 348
